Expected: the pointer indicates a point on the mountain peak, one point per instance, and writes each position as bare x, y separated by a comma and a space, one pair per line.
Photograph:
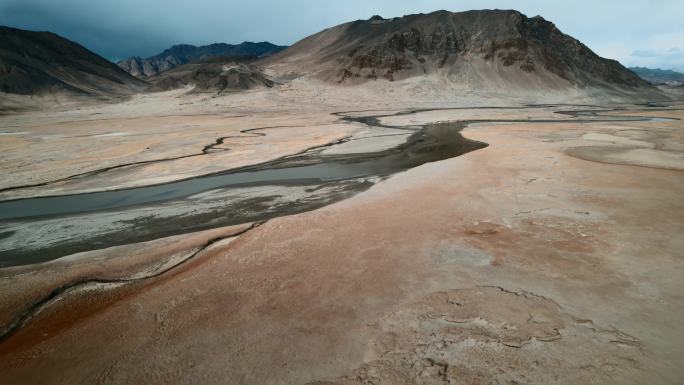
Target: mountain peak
479, 48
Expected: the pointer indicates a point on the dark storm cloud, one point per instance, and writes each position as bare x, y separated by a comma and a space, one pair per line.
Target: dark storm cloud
118, 29
108, 34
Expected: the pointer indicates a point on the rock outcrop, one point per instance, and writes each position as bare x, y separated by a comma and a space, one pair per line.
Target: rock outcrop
212, 75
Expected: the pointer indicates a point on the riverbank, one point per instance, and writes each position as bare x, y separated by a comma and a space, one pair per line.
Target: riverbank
44, 228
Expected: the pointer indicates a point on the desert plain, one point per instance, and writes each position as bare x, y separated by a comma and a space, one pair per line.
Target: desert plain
550, 252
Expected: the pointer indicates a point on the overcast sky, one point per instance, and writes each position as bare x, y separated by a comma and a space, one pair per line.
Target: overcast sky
636, 32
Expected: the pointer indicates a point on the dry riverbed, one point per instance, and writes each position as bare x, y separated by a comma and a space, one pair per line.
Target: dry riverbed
554, 255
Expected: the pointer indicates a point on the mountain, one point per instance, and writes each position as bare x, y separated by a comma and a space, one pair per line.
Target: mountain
185, 53
217, 74
43, 62
479, 49
658, 76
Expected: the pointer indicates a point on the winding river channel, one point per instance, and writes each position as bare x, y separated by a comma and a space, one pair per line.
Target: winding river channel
40, 229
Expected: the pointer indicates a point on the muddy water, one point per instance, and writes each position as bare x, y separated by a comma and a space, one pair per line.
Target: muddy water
45, 228
308, 181
436, 142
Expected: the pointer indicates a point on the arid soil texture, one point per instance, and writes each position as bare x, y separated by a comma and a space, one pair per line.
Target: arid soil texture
551, 256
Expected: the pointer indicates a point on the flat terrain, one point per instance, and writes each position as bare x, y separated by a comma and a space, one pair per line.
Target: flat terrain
552, 256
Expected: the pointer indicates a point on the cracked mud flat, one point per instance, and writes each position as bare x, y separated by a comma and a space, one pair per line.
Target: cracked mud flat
519, 262
457, 336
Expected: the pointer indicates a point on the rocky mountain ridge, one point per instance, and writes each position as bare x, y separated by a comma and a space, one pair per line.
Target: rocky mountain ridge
185, 53
659, 76
487, 48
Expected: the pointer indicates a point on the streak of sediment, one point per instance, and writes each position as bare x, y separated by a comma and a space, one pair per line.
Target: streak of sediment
206, 150
37, 306
372, 121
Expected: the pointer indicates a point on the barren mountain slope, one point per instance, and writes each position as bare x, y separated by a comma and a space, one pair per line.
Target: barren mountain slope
212, 75
43, 62
481, 49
